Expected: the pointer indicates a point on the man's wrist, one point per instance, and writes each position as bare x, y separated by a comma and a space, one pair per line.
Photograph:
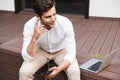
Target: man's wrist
59, 68
34, 39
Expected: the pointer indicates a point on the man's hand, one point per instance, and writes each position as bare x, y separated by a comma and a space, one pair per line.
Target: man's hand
38, 29
55, 70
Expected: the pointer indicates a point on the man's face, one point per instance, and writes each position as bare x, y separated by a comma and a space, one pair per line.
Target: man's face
48, 18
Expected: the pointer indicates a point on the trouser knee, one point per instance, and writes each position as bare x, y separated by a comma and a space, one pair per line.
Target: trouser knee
73, 74
25, 74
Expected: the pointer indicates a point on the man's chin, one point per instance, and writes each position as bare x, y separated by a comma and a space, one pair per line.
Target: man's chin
49, 27
52, 25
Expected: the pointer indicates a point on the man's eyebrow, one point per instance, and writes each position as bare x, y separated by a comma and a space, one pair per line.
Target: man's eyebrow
47, 16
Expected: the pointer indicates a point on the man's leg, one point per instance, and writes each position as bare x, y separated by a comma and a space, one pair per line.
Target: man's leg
73, 71
28, 69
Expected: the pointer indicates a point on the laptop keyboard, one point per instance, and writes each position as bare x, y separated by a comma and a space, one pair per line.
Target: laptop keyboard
95, 66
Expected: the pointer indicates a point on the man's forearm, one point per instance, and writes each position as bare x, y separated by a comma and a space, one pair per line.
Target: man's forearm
32, 47
64, 65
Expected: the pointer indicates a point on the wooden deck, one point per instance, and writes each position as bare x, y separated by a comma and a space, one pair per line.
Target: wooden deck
92, 36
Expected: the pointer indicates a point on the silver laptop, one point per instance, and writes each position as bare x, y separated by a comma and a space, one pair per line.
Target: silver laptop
96, 65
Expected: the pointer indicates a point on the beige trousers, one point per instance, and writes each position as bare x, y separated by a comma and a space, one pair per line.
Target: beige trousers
28, 69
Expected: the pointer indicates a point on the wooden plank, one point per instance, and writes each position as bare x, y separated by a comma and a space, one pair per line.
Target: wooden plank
116, 43
94, 35
13, 18
7, 76
5, 15
85, 36
10, 69
11, 31
81, 29
77, 27
109, 75
10, 58
94, 76
107, 46
100, 39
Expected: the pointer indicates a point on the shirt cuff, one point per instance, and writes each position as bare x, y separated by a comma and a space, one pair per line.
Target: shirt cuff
69, 58
26, 57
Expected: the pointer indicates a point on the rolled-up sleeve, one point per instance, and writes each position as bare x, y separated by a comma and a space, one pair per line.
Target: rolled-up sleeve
70, 44
27, 35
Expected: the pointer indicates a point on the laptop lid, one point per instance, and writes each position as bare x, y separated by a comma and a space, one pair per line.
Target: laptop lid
106, 61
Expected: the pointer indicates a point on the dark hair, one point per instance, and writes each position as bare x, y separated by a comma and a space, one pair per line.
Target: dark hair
41, 6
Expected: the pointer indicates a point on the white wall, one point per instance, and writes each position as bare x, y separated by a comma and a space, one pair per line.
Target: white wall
7, 5
105, 8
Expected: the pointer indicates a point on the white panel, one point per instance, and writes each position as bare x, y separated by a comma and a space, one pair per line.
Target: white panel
7, 5
105, 8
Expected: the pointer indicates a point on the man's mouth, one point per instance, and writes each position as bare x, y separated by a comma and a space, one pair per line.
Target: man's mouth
52, 23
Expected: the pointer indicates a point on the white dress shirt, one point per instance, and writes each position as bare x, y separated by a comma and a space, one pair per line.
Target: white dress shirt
59, 37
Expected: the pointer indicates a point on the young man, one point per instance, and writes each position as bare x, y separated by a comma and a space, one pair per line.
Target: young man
48, 36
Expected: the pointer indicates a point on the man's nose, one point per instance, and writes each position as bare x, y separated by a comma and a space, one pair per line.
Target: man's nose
53, 18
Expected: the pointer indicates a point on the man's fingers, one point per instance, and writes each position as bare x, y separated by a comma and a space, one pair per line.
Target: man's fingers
41, 30
53, 68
